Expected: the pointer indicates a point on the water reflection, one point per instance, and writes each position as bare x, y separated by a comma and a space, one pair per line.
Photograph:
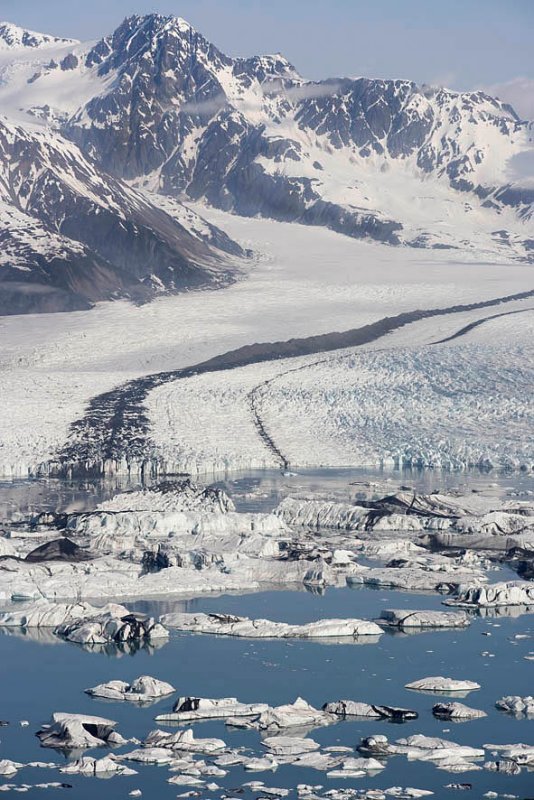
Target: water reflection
46, 636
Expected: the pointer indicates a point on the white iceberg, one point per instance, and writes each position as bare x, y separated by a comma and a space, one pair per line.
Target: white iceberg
456, 711
519, 706
442, 685
509, 593
144, 689
407, 618
191, 708
79, 732
231, 625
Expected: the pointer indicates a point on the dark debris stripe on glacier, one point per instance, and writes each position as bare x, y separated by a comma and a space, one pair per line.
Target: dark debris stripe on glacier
477, 323
116, 429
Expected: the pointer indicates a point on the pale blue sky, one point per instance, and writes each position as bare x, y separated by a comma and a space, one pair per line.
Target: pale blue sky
461, 43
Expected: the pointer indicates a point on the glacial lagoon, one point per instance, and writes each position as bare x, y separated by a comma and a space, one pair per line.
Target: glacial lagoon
41, 674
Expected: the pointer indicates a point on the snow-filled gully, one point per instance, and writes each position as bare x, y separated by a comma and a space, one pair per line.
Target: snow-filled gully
113, 436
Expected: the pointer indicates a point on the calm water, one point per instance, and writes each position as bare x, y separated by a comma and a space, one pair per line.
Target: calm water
39, 677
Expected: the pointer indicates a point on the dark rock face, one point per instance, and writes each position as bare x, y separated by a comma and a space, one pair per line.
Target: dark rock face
69, 62
73, 235
209, 125
247, 135
58, 550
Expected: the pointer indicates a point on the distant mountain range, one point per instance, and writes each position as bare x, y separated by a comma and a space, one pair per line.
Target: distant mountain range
92, 133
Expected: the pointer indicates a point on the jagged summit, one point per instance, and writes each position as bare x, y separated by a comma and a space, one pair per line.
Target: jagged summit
13, 37
159, 105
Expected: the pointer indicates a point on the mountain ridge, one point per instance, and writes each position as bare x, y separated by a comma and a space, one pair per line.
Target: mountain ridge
14, 37
157, 105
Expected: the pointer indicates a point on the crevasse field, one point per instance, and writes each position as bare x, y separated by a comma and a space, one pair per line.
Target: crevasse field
400, 399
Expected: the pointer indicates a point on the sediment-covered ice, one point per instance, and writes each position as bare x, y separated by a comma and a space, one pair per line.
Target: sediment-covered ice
230, 625
456, 711
352, 708
406, 618
112, 626
179, 540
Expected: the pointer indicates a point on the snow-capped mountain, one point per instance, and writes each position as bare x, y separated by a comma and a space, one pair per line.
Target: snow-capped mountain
156, 104
71, 234
12, 37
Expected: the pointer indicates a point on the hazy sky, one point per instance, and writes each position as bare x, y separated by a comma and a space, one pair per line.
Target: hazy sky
460, 43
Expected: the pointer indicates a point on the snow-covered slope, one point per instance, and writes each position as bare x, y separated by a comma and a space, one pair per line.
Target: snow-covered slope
12, 37
159, 105
71, 235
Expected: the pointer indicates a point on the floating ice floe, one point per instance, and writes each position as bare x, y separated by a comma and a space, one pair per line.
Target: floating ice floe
191, 708
504, 766
269, 791
150, 755
84, 623
519, 706
442, 685
116, 624
298, 715
97, 766
26, 787
46, 614
426, 576
264, 764
457, 712
307, 792
510, 593
522, 754
182, 741
446, 515
144, 689
351, 708
8, 767
406, 618
356, 768
289, 745
179, 539
172, 496
231, 625
186, 780
442, 753
79, 732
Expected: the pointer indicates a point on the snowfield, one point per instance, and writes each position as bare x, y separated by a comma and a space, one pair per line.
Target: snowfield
302, 281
